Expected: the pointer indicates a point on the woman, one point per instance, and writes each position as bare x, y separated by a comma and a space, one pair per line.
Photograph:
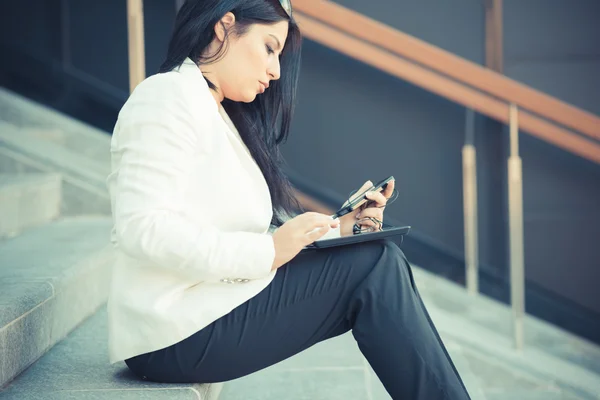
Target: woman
201, 291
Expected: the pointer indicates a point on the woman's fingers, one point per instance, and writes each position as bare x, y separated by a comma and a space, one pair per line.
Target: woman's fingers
378, 198
317, 233
369, 224
318, 227
389, 189
372, 217
319, 221
365, 185
386, 194
371, 212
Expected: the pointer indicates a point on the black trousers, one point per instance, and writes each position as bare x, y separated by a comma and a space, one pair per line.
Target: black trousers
367, 288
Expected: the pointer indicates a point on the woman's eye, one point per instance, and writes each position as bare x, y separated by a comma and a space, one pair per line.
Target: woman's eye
270, 49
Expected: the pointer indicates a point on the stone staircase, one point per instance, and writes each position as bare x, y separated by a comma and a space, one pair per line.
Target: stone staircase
55, 261
28, 200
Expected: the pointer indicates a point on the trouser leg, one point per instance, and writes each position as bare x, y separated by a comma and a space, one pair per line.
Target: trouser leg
396, 334
366, 287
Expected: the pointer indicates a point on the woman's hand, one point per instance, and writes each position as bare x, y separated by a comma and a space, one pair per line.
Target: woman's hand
298, 232
373, 208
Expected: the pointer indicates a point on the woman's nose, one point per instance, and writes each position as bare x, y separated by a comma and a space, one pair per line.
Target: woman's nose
274, 72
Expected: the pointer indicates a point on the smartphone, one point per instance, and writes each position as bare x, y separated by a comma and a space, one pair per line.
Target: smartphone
360, 199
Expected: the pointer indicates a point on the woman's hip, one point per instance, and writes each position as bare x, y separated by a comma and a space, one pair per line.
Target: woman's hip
307, 302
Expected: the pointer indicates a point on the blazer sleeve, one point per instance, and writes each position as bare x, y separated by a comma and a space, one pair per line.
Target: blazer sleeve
158, 140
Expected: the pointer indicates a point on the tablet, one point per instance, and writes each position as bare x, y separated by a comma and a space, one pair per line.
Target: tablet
387, 231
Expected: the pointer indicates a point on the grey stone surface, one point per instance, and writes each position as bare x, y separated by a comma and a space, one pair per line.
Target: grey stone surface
479, 344
470, 378
482, 327
529, 364
333, 365
28, 200
78, 368
54, 128
35, 143
50, 252
52, 278
17, 298
175, 393
496, 317
27, 181
79, 197
10, 163
311, 384
339, 352
472, 381
513, 394
494, 375
33, 137
24, 340
59, 274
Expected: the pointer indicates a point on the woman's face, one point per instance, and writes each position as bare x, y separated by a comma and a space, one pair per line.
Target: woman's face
250, 62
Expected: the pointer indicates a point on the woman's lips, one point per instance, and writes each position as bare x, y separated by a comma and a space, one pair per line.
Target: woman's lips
263, 86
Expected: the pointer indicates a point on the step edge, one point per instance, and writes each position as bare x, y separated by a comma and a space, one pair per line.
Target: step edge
97, 277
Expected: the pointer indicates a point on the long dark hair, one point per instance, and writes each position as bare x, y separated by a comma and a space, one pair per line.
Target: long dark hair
264, 123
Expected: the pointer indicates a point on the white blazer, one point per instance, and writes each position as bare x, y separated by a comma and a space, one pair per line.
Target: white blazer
191, 212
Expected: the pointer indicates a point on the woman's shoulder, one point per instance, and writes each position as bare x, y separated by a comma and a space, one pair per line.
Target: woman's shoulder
167, 86
169, 92
169, 100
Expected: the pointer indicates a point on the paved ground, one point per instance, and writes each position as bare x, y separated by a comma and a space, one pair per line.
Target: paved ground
476, 330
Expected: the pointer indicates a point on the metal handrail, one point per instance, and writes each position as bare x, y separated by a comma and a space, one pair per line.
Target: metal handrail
484, 79
446, 87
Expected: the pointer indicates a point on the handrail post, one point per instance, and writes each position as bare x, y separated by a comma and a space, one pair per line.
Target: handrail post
135, 31
470, 205
515, 211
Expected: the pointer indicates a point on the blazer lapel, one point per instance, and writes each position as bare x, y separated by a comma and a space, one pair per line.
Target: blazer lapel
200, 87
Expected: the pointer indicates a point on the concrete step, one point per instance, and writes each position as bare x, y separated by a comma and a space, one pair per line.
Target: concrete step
475, 330
54, 128
23, 149
28, 200
35, 138
51, 278
78, 368
483, 327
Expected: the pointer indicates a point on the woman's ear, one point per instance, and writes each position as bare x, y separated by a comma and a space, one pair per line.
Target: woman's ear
224, 25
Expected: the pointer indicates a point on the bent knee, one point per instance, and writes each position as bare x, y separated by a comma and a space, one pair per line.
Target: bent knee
388, 248
370, 254
382, 263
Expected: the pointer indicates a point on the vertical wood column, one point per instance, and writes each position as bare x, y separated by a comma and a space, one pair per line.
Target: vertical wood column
135, 30
494, 53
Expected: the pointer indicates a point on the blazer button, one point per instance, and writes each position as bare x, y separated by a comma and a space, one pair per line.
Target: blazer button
226, 280
239, 280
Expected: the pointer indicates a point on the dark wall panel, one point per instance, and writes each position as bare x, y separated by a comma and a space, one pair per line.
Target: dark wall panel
554, 46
